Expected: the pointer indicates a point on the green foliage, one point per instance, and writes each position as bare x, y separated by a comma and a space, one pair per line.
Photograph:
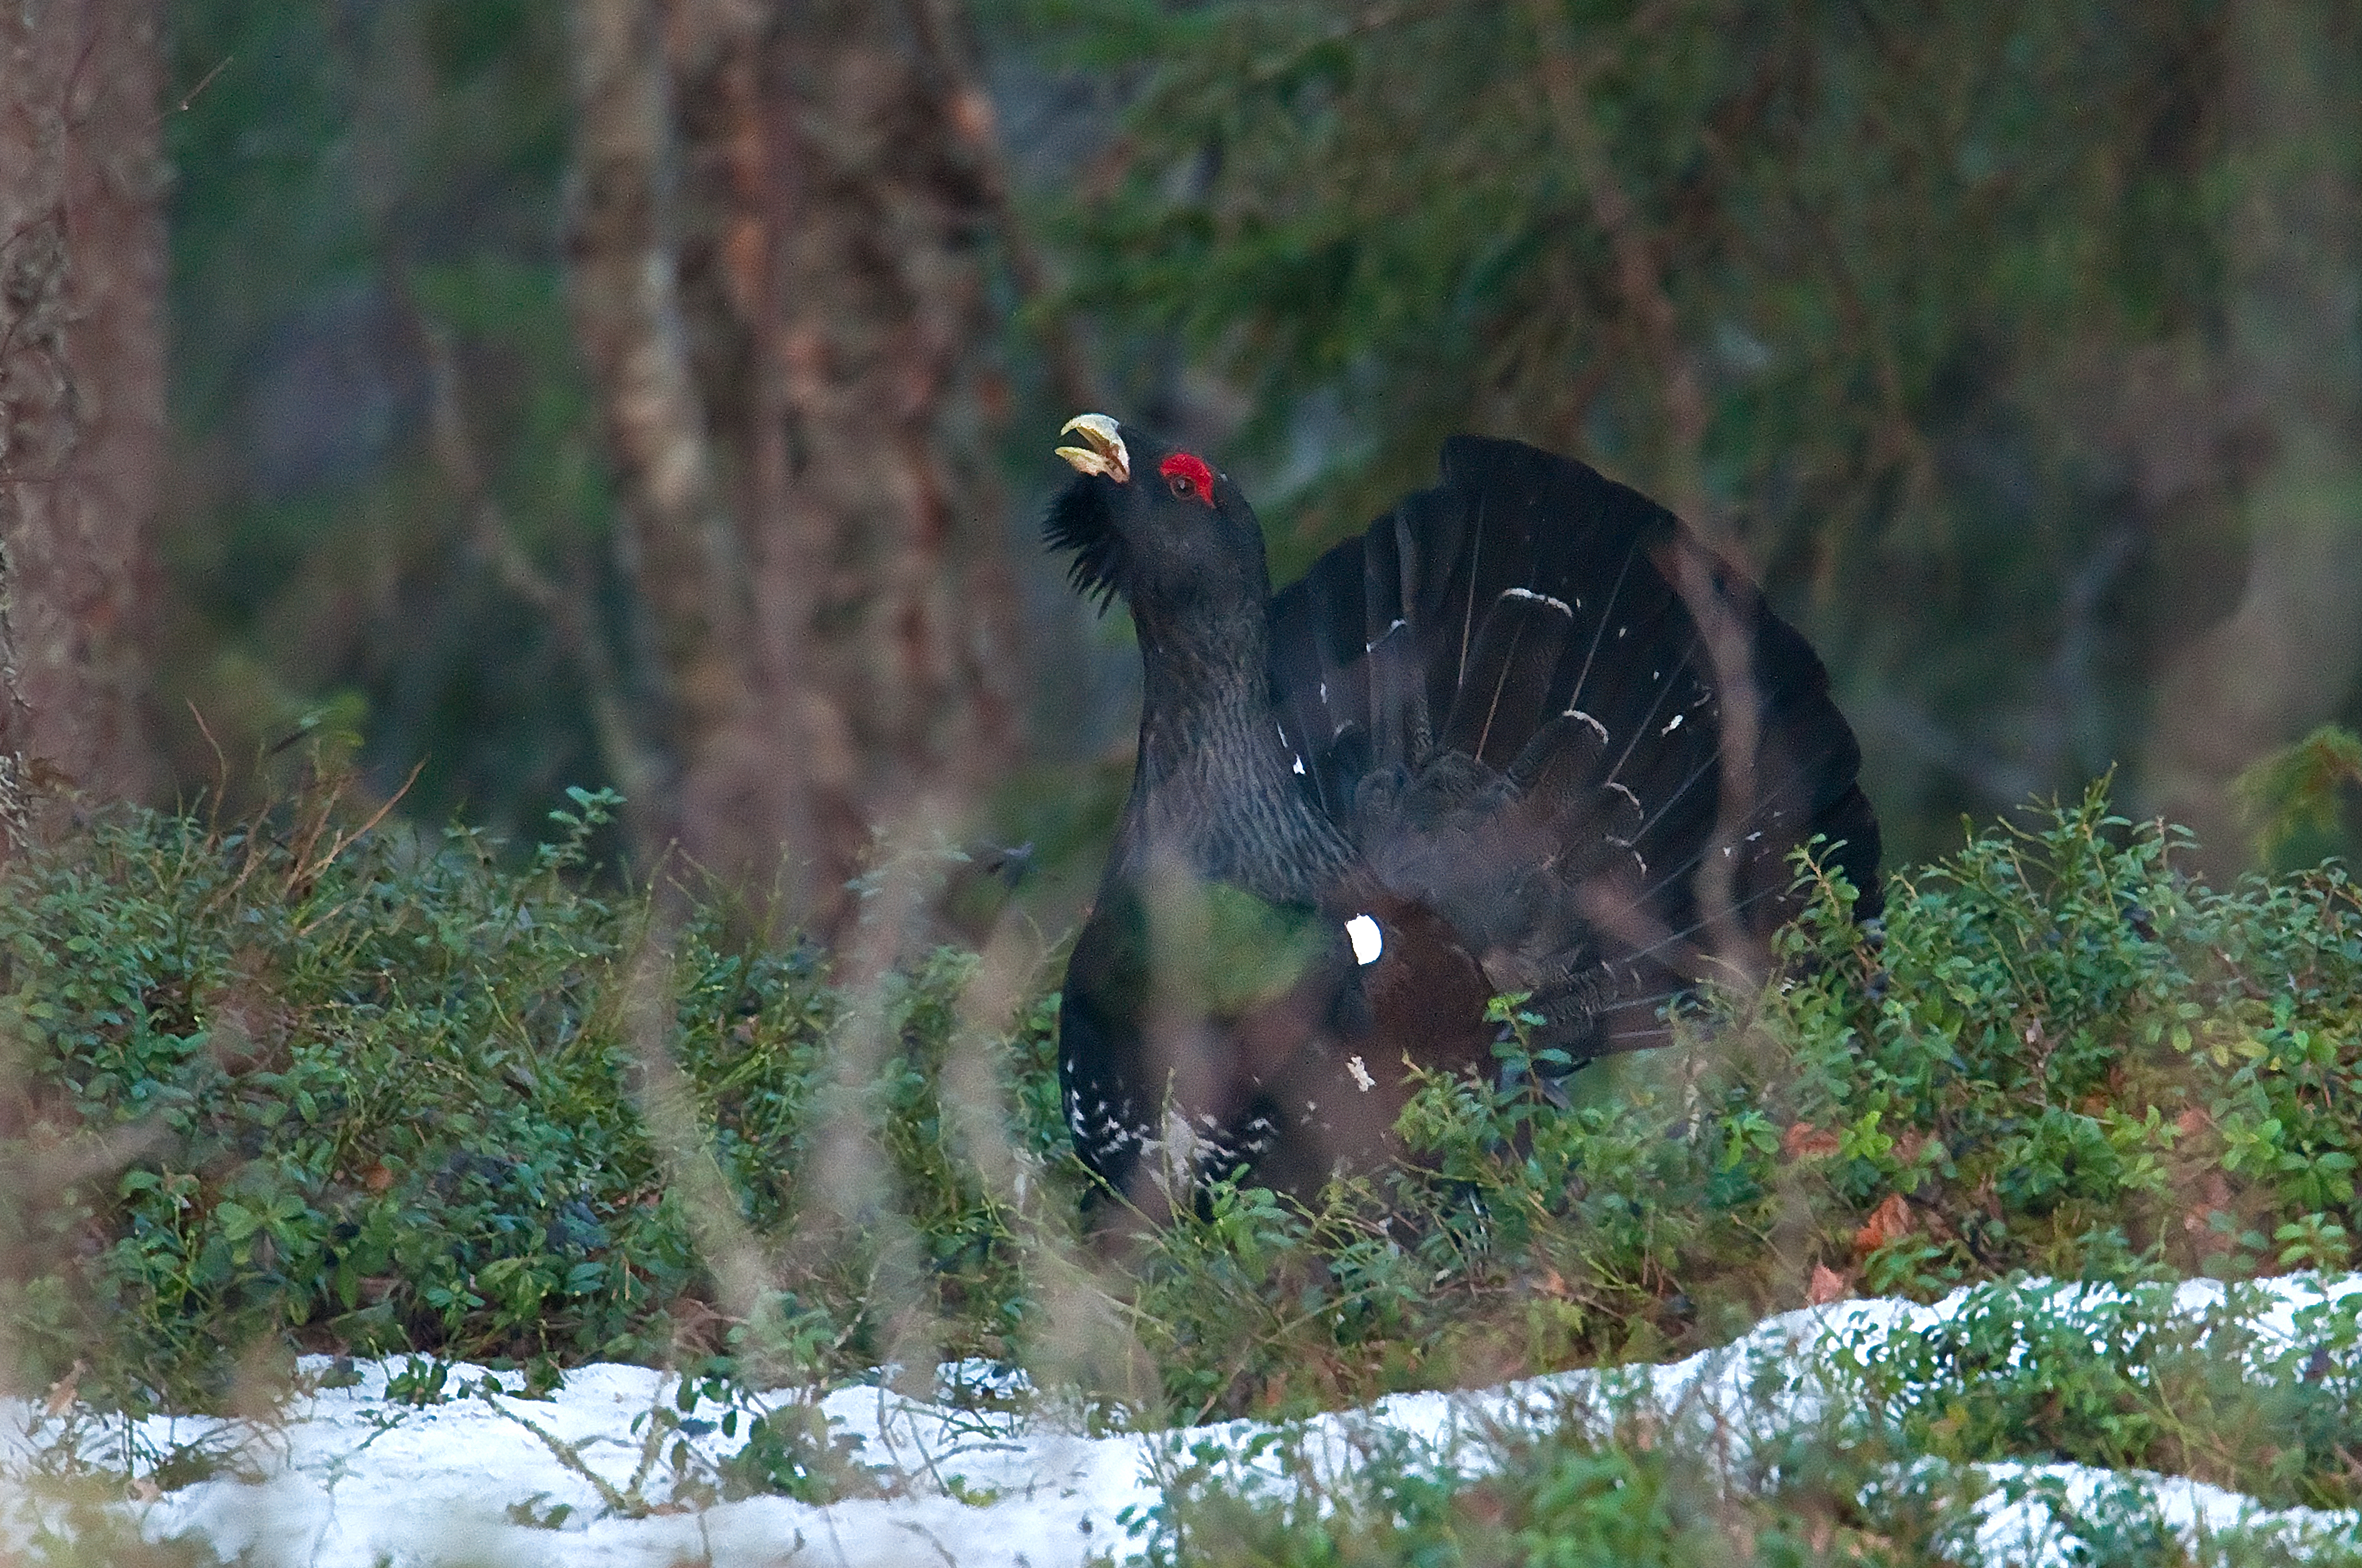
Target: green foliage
285, 1088
382, 1099
1889, 1445
2123, 1380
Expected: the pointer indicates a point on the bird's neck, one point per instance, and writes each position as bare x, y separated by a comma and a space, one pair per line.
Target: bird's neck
1216, 785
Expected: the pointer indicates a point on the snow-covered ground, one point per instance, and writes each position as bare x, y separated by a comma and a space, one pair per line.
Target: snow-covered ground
347, 1477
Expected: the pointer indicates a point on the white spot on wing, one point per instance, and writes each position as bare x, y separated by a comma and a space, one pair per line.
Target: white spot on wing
1669, 728
1556, 604
1596, 728
1299, 764
1368, 940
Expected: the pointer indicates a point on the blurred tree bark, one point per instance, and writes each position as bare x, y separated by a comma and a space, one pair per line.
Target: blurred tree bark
2290, 651
778, 285
82, 395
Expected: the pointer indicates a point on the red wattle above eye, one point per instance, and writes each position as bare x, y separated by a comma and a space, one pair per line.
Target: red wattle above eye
1191, 471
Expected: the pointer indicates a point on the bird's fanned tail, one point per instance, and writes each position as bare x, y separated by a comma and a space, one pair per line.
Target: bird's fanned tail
1508, 688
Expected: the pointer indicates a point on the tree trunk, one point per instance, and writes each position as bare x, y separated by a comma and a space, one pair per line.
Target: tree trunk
2290, 651
820, 542
81, 396
628, 318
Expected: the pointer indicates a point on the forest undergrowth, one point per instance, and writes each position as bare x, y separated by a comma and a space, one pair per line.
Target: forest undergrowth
284, 1086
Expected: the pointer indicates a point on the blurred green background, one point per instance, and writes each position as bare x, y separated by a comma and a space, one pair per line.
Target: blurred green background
1992, 336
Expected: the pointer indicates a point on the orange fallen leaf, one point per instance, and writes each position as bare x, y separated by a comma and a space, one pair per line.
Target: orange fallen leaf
1805, 1141
63, 1391
1890, 1222
1827, 1285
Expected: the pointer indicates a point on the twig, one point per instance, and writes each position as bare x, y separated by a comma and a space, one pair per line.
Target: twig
306, 874
305, 868
569, 1456
221, 763
190, 97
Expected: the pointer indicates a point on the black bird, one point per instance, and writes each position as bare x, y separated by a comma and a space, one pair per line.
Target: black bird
1524, 734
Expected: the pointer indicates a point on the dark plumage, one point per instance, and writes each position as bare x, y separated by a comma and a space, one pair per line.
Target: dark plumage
1488, 746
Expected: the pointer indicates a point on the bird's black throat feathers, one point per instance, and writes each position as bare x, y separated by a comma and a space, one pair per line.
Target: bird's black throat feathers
1215, 783
1080, 520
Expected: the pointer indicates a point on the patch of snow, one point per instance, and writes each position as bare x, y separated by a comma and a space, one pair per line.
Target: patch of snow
346, 1477
2019, 1523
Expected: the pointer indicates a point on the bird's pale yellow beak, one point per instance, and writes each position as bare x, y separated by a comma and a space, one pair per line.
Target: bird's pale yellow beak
1102, 452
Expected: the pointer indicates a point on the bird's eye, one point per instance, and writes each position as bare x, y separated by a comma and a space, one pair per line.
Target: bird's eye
1189, 476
